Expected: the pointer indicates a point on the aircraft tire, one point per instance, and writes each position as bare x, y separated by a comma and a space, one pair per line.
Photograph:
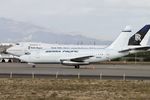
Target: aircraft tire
77, 66
3, 60
33, 66
9, 60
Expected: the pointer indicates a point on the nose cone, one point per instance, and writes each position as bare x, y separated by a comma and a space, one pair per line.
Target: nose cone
9, 50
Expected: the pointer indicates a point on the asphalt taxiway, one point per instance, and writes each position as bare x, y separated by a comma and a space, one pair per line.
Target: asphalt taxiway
117, 70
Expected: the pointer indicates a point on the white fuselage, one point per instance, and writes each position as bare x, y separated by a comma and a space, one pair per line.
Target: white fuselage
56, 55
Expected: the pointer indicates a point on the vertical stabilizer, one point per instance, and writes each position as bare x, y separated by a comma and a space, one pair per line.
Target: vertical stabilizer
141, 37
122, 41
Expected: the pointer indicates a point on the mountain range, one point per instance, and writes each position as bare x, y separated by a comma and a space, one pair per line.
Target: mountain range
16, 31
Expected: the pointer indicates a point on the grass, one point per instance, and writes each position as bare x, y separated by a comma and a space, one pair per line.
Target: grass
48, 89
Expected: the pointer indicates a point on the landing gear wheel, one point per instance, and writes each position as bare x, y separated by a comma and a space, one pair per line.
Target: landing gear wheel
9, 60
33, 66
77, 66
3, 61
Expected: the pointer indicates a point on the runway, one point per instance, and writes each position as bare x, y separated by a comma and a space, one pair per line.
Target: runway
131, 71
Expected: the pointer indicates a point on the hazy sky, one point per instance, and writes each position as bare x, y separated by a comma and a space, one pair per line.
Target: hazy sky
101, 19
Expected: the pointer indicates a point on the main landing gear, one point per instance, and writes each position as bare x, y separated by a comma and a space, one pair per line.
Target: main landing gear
77, 66
33, 66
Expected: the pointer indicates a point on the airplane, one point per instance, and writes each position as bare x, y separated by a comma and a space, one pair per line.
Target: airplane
22, 48
76, 57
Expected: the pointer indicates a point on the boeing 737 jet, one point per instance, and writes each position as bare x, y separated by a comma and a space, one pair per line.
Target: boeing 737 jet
122, 46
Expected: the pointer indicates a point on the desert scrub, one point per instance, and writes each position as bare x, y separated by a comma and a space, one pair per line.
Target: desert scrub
73, 89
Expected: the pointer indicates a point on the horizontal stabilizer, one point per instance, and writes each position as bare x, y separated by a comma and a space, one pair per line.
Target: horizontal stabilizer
138, 48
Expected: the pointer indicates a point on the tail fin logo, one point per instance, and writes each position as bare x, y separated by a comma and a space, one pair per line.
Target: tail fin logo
138, 37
